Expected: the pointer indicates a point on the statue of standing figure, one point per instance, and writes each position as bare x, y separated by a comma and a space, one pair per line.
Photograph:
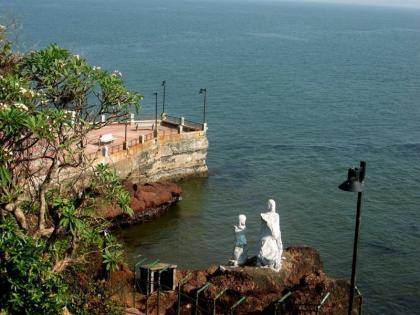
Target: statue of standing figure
240, 252
271, 246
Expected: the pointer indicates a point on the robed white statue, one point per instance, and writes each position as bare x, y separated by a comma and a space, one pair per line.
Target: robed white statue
270, 246
240, 252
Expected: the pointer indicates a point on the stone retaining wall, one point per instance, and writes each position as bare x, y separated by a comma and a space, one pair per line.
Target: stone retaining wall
169, 157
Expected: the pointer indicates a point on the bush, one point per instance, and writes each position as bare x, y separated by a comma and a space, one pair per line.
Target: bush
27, 283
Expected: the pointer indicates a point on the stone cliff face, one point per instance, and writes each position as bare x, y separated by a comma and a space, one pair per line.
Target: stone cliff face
170, 157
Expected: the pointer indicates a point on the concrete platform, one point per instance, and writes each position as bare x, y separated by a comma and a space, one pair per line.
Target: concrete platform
118, 133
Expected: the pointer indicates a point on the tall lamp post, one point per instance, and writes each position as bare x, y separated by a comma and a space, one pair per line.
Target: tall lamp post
355, 183
164, 94
204, 91
156, 127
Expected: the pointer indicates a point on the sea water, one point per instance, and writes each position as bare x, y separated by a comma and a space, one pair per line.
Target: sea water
297, 93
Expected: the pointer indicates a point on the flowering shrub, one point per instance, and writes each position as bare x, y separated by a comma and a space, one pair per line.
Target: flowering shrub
49, 100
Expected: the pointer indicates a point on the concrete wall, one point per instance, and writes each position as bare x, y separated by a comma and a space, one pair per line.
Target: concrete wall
171, 156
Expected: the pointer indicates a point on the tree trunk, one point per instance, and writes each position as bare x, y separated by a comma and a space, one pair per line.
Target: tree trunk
42, 209
18, 214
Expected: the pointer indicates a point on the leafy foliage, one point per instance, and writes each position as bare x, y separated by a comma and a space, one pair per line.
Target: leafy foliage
50, 100
27, 283
107, 184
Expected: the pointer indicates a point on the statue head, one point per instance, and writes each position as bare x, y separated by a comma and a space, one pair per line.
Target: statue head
241, 221
271, 205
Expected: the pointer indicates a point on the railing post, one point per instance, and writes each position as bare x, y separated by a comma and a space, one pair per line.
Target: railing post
232, 309
148, 282
135, 280
281, 301
180, 283
359, 309
105, 151
159, 288
322, 302
216, 298
103, 118
197, 294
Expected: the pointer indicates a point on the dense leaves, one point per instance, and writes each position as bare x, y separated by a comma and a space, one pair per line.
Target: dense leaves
50, 100
27, 283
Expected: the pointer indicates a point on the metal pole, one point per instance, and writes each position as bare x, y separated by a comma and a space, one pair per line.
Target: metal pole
148, 282
197, 294
205, 101
158, 295
281, 301
156, 97
216, 298
125, 137
179, 299
164, 94
147, 304
232, 309
180, 283
322, 302
354, 263
159, 288
135, 280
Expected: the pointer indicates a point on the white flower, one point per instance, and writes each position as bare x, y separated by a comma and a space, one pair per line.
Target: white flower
96, 68
4, 106
2, 27
23, 90
117, 73
77, 57
21, 106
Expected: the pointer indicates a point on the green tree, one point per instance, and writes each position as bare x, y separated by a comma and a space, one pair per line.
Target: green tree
50, 100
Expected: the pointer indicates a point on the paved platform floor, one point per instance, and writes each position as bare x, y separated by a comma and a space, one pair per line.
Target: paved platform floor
118, 133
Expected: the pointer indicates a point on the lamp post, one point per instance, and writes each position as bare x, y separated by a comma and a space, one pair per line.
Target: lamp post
125, 146
156, 97
164, 94
355, 183
204, 91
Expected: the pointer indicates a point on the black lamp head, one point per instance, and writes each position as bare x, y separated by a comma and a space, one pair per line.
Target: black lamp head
163, 82
355, 178
202, 91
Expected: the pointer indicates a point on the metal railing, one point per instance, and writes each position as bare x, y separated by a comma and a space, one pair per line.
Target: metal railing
195, 302
193, 125
172, 120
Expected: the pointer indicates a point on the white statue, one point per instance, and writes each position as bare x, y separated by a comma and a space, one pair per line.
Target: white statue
240, 252
271, 247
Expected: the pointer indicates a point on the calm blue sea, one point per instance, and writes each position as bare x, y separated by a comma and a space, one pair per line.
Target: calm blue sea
297, 93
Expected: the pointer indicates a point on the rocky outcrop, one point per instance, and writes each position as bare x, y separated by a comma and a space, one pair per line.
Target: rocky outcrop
302, 274
147, 201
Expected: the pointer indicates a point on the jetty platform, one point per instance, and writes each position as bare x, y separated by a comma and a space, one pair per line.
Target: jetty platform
149, 151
